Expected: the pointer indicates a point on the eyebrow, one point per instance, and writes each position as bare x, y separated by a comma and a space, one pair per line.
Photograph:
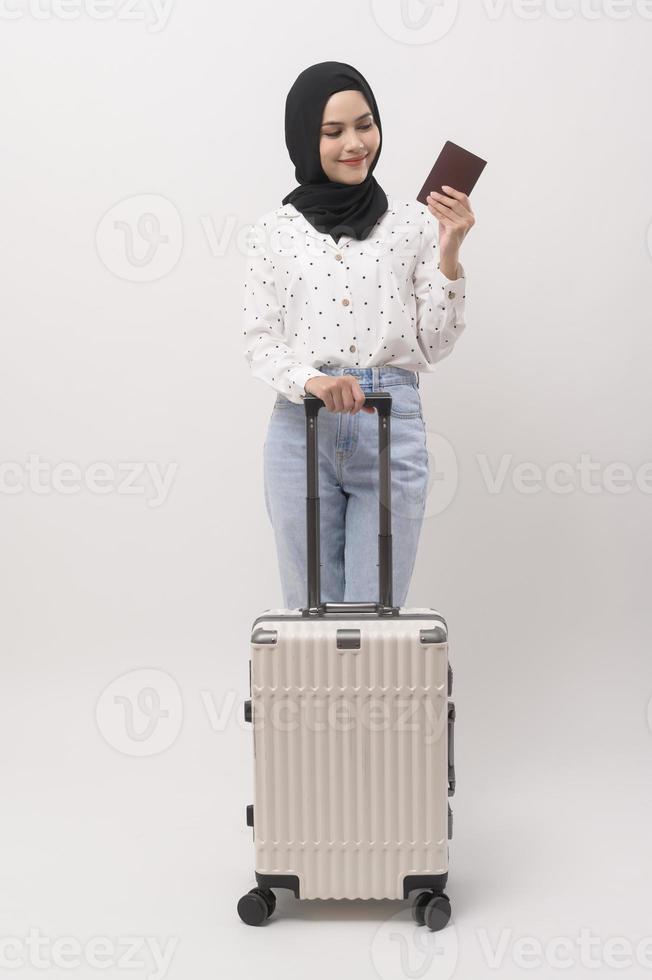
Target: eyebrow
331, 123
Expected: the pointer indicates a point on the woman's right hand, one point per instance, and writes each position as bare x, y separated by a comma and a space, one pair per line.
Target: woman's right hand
339, 394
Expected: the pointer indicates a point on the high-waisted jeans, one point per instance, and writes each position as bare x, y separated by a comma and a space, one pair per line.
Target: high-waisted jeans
348, 490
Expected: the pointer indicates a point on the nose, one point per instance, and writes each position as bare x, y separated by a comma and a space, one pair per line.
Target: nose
354, 144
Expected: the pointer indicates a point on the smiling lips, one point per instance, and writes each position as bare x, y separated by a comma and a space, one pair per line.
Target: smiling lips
354, 160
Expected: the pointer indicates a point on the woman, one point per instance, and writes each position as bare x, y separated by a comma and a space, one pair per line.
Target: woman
348, 292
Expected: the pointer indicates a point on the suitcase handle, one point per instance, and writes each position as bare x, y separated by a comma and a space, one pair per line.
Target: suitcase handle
382, 402
451, 750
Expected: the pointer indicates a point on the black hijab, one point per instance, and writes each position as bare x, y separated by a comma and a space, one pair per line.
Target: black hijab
330, 206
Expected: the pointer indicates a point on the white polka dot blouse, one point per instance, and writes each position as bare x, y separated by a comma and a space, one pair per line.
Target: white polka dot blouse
309, 300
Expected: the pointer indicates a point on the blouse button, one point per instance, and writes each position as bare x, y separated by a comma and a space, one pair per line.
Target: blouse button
451, 294
352, 348
339, 258
345, 302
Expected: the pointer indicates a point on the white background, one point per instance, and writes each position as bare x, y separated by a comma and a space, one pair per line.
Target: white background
118, 352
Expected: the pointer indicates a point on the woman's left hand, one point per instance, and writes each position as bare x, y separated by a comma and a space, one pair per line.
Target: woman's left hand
456, 217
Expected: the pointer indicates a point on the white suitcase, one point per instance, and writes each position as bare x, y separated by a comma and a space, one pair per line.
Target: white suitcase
353, 736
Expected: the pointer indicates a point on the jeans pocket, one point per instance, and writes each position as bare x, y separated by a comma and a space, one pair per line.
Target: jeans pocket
406, 402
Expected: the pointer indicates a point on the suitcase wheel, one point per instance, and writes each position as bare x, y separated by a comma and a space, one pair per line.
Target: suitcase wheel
432, 909
257, 906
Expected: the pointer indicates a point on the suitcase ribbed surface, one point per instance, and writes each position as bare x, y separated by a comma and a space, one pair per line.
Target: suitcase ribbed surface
350, 755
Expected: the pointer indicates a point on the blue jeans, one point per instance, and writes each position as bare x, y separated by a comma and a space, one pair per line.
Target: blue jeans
348, 490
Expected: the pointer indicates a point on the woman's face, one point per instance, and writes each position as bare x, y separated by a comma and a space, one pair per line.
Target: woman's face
348, 131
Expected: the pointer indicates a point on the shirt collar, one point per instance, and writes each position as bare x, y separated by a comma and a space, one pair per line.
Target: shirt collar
289, 211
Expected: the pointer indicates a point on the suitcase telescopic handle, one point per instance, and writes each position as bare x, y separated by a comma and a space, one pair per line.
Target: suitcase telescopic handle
382, 402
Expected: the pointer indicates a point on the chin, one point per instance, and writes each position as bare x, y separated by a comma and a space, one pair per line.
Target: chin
353, 178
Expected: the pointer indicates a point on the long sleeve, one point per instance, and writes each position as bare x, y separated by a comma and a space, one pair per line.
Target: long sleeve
440, 301
269, 357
